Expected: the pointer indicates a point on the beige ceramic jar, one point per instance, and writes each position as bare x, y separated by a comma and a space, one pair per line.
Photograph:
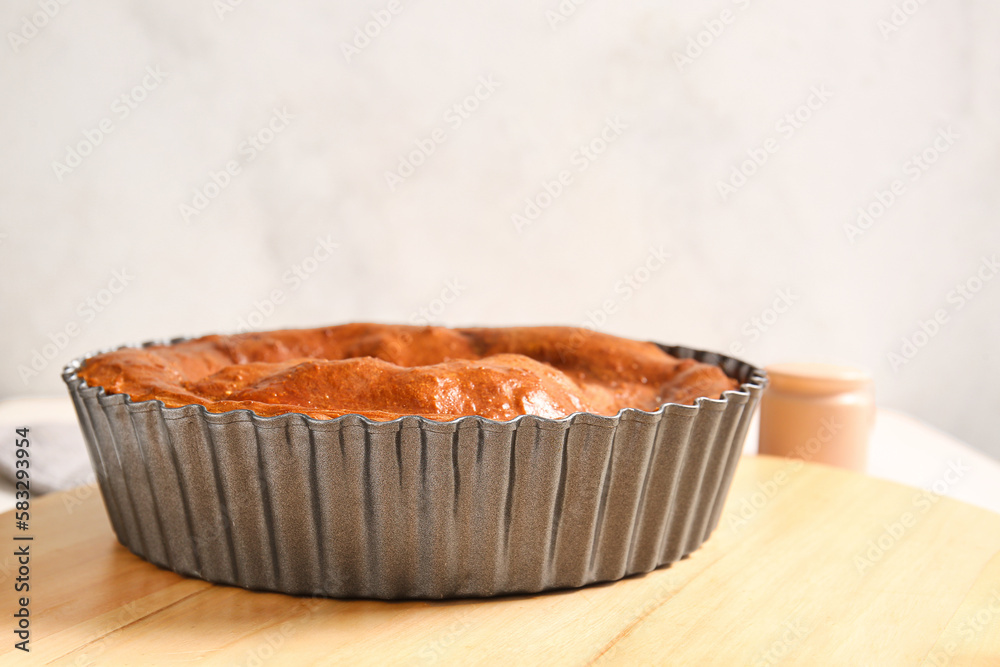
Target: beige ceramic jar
818, 412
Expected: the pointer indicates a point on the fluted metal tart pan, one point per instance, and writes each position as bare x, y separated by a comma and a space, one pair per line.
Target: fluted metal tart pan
414, 508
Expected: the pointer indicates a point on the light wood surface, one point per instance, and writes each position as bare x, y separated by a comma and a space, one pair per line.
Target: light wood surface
789, 577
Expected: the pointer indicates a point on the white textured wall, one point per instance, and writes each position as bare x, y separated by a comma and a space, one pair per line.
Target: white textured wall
674, 128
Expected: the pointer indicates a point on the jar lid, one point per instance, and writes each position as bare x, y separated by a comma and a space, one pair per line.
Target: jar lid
816, 377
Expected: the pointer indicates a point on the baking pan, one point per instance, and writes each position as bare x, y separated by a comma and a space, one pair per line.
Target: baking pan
414, 508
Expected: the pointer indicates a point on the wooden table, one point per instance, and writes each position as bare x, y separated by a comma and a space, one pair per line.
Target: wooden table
810, 565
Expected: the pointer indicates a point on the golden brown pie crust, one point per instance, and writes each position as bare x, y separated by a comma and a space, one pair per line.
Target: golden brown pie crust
386, 371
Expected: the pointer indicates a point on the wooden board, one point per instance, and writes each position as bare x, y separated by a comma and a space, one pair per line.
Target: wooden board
810, 565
